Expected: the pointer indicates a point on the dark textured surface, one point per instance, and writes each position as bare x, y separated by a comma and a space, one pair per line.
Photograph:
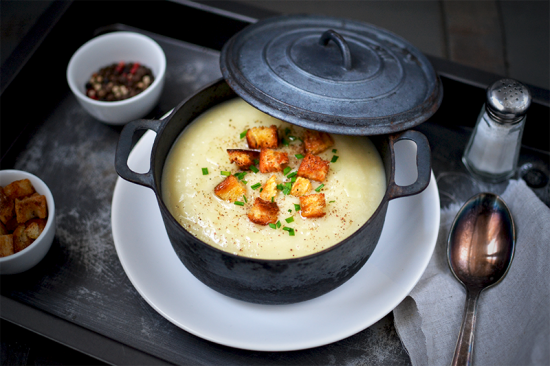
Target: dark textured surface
511, 37
81, 282
23, 347
81, 279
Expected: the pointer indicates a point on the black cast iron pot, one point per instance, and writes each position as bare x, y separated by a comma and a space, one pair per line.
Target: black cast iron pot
259, 280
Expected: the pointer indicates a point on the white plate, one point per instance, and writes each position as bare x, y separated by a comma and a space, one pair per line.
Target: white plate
401, 256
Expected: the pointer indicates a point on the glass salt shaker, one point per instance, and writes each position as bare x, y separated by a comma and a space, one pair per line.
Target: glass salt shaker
493, 149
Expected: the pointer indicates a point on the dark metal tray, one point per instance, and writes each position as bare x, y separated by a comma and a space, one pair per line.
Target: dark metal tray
79, 294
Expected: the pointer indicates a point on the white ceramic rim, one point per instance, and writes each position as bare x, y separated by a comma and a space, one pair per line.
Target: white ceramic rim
94, 42
44, 190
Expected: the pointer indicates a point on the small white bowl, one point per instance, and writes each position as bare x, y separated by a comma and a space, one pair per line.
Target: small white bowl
31, 255
112, 48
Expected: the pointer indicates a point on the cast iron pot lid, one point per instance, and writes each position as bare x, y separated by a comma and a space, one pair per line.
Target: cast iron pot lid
330, 74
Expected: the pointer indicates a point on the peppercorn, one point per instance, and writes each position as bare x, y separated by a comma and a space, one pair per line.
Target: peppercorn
119, 81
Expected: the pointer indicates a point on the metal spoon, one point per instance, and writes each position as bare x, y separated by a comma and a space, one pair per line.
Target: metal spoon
480, 250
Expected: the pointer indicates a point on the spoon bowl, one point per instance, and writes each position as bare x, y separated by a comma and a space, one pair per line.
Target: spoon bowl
480, 250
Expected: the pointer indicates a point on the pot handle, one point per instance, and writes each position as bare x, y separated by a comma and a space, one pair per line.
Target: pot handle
124, 148
423, 165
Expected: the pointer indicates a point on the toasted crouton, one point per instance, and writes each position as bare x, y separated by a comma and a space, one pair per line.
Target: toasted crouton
12, 223
230, 189
34, 227
269, 189
243, 158
316, 142
20, 239
272, 161
313, 205
313, 167
3, 229
262, 137
263, 212
19, 188
6, 245
301, 187
7, 206
30, 207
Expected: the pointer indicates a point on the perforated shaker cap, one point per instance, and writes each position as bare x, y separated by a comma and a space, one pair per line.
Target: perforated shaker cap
508, 100
330, 74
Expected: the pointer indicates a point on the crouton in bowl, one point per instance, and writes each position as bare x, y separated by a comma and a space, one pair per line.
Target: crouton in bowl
27, 221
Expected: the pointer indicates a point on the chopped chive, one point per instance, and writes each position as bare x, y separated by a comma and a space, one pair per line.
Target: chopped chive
239, 203
334, 151
256, 186
223, 172
287, 170
287, 188
318, 189
273, 226
256, 161
334, 158
299, 156
254, 169
261, 189
278, 224
289, 219
243, 134
297, 207
331, 201
272, 198
284, 141
287, 130
245, 200
280, 187
293, 179
293, 174
289, 211
244, 181
240, 175
290, 231
204, 171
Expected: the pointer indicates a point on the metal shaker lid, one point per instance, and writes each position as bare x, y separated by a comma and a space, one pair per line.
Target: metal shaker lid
508, 100
330, 74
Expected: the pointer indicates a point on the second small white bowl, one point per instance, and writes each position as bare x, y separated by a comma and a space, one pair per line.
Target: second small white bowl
31, 255
112, 48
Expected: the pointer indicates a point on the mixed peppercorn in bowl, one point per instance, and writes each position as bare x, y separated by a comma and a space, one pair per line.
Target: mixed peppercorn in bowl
119, 81
118, 77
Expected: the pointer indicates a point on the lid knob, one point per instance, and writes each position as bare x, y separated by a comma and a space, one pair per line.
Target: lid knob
508, 100
331, 35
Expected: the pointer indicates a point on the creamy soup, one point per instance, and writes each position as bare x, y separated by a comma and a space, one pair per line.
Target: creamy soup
353, 187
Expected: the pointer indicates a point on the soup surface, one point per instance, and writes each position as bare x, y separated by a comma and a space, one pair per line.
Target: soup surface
353, 188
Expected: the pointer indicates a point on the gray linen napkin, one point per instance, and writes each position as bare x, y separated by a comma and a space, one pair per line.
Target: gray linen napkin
513, 320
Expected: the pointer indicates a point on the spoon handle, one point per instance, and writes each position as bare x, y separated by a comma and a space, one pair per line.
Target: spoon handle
465, 343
